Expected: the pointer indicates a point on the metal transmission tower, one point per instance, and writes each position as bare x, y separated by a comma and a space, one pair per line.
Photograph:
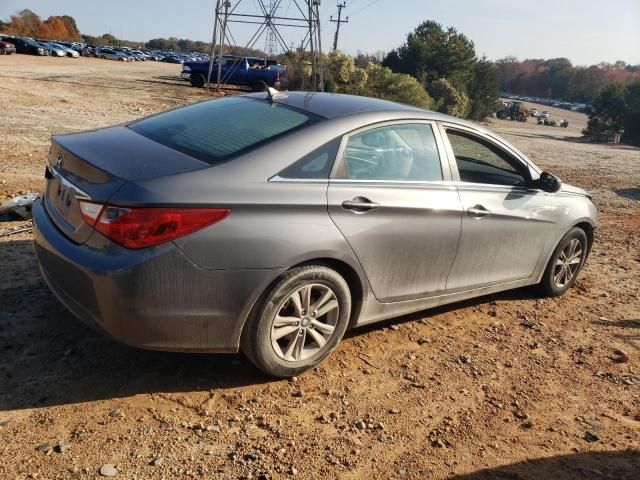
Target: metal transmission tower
262, 13
270, 43
338, 22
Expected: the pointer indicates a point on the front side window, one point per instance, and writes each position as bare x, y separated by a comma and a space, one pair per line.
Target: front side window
396, 152
480, 161
216, 130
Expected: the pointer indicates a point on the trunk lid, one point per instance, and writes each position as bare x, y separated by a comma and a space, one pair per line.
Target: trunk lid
94, 165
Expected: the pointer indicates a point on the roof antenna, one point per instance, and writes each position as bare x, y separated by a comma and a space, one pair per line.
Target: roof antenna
273, 94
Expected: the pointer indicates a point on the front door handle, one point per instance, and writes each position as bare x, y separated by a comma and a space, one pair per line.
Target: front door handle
359, 205
478, 211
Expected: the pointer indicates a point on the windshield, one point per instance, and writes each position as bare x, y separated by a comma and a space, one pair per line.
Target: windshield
216, 130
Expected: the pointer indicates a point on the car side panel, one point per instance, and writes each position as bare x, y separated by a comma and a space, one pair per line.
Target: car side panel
506, 244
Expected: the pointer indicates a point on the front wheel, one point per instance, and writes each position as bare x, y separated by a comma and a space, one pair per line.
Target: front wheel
565, 263
299, 321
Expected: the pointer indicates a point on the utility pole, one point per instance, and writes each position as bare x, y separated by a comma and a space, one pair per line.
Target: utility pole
338, 21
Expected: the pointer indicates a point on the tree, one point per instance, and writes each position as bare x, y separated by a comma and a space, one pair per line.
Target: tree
608, 111
483, 89
632, 117
431, 52
558, 78
29, 24
449, 99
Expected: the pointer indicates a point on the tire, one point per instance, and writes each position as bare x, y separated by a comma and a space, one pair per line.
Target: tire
198, 80
553, 286
259, 86
294, 346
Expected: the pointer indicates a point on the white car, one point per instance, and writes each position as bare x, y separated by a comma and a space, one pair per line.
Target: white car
108, 54
534, 112
545, 114
68, 51
53, 50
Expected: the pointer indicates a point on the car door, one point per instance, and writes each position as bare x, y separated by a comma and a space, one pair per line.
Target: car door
506, 223
391, 197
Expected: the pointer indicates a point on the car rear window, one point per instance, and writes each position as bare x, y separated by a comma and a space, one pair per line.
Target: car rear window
216, 130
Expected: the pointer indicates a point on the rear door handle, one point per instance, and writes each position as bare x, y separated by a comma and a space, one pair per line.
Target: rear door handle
359, 205
478, 211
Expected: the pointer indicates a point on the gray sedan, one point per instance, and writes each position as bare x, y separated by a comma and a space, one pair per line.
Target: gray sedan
273, 222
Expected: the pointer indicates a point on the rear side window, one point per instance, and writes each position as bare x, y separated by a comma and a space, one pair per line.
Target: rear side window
219, 129
315, 165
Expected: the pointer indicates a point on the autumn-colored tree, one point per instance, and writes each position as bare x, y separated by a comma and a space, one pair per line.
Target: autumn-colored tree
28, 24
558, 78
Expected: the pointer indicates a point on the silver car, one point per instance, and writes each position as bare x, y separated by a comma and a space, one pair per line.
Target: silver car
273, 222
109, 54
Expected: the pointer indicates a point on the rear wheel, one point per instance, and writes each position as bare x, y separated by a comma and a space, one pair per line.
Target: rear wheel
565, 263
198, 80
299, 321
259, 86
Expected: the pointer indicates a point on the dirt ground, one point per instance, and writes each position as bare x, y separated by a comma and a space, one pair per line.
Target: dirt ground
506, 386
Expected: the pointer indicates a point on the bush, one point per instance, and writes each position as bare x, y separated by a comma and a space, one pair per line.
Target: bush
397, 87
449, 100
341, 73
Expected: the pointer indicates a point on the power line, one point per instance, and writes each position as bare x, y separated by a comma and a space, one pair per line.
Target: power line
365, 7
338, 22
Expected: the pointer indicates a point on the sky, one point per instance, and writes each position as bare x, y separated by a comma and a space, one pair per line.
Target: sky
584, 31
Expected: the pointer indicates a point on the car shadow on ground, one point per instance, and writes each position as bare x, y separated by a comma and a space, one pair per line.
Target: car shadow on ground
630, 193
620, 465
50, 358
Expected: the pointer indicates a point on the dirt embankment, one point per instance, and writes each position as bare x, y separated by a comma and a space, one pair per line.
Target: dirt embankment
507, 386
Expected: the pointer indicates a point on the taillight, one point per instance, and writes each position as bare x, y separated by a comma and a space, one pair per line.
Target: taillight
277, 76
135, 227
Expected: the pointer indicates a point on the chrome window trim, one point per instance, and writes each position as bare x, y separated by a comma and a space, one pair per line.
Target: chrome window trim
278, 178
443, 185
460, 185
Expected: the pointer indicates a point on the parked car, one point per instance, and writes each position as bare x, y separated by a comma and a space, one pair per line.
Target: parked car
533, 112
52, 49
544, 114
547, 121
26, 45
273, 222
7, 48
109, 54
235, 70
172, 59
564, 123
69, 52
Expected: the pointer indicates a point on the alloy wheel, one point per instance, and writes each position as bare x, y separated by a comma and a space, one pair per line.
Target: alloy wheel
305, 322
568, 263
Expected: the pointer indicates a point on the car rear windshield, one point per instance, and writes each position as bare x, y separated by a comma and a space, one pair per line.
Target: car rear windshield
217, 130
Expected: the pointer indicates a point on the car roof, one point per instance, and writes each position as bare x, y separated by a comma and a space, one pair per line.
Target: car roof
337, 105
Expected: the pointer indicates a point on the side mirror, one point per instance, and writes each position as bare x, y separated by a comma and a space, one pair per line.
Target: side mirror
549, 183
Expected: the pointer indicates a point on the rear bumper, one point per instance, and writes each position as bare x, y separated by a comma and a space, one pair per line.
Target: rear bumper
152, 298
